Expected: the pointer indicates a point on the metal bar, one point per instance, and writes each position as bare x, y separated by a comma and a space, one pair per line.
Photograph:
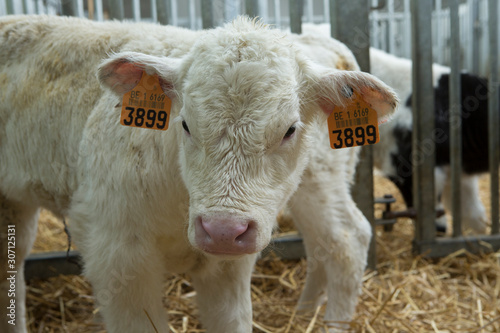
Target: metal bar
423, 147
326, 11
263, 11
154, 11
493, 119
252, 8
10, 7
374, 32
49, 264
162, 11
207, 14
136, 8
231, 9
116, 10
407, 29
296, 16
192, 15
69, 8
79, 7
286, 247
390, 26
441, 247
28, 7
174, 15
438, 32
476, 35
333, 19
455, 119
99, 12
277, 13
309, 11
352, 28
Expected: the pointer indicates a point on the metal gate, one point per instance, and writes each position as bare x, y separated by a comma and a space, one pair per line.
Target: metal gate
403, 27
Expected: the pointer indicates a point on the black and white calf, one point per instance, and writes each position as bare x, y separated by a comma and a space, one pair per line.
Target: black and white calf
394, 155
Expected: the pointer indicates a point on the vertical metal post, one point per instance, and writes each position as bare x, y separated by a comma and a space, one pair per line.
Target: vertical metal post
326, 13
263, 9
438, 32
390, 27
333, 18
192, 15
351, 22
423, 145
207, 14
136, 8
154, 11
309, 11
407, 29
174, 13
69, 8
252, 8
455, 119
10, 7
162, 11
116, 10
296, 16
493, 119
99, 15
476, 35
231, 9
277, 13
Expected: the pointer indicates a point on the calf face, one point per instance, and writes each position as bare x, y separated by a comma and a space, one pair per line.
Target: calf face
245, 101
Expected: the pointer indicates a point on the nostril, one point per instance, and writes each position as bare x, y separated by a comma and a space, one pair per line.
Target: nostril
241, 230
246, 233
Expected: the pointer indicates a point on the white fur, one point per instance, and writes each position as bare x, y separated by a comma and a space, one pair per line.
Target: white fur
133, 196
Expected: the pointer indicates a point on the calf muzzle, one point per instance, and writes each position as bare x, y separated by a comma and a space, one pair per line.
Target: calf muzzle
222, 234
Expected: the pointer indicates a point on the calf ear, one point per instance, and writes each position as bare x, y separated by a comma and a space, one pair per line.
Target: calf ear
123, 71
336, 89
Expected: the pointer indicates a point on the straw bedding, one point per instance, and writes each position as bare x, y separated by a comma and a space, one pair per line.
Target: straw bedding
407, 293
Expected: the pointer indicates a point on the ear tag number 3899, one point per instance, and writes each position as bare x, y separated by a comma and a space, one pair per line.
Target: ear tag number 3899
353, 125
146, 106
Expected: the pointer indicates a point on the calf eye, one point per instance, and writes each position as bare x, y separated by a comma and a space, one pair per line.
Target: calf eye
290, 132
185, 126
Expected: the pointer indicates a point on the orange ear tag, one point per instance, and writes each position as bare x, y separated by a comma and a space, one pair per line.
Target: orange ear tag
146, 106
356, 124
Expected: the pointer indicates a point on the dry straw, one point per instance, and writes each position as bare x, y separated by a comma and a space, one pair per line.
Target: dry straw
407, 293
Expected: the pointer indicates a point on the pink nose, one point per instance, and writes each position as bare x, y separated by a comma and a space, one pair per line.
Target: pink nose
223, 234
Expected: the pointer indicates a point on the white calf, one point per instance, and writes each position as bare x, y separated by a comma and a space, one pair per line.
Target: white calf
246, 132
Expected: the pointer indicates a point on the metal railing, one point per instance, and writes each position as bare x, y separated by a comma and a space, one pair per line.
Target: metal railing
343, 23
426, 241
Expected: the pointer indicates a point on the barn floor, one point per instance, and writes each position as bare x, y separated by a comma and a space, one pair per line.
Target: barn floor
407, 293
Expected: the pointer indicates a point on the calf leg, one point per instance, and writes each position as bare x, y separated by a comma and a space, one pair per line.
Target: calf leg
440, 178
18, 222
472, 209
336, 238
127, 278
223, 295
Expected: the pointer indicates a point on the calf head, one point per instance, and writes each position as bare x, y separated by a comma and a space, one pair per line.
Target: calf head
245, 101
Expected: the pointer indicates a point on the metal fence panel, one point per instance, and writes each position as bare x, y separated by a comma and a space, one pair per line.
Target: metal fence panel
471, 44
